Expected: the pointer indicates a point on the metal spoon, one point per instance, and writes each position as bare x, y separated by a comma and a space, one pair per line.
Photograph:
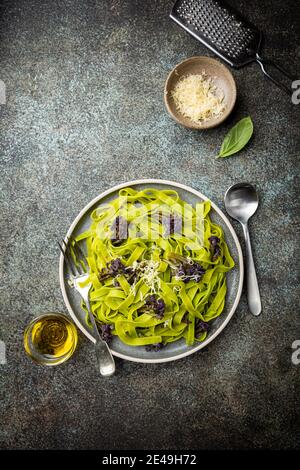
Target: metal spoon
241, 202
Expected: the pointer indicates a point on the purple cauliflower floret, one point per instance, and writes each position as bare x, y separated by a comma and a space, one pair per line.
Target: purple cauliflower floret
114, 268
200, 327
175, 224
119, 229
215, 247
214, 240
185, 271
106, 332
157, 305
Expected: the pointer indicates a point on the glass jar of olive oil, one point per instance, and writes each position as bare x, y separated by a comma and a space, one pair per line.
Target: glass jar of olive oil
50, 339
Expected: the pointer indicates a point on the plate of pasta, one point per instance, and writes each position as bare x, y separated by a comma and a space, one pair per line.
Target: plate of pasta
166, 270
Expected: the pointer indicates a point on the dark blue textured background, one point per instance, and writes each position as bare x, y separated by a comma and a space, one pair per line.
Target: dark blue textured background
85, 111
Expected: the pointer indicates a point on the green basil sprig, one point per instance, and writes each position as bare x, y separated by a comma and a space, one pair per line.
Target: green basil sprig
237, 137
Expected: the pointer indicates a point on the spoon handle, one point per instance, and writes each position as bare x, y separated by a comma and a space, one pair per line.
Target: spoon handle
252, 284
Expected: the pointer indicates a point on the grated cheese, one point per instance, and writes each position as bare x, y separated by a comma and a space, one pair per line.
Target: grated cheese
190, 277
148, 271
198, 98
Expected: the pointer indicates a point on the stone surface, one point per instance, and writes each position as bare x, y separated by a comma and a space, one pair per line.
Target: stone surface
85, 111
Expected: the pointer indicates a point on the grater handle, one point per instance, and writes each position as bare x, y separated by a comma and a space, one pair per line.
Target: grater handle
263, 62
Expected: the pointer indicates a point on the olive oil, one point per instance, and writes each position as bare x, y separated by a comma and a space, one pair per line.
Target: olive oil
50, 339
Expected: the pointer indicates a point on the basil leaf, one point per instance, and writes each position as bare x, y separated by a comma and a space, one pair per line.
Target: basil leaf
237, 137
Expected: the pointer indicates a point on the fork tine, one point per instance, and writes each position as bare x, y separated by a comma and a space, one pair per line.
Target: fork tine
69, 260
76, 256
69, 265
79, 254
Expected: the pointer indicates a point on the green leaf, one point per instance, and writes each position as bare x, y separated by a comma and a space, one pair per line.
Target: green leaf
237, 137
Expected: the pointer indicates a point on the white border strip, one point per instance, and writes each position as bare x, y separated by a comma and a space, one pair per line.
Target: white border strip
167, 183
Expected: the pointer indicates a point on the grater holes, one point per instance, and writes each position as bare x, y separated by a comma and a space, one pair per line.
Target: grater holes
220, 27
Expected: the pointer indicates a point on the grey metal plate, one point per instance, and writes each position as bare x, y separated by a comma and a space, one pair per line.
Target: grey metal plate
177, 349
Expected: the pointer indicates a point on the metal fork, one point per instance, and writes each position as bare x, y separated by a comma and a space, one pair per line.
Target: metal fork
79, 269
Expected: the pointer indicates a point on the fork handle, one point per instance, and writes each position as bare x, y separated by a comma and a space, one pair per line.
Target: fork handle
105, 359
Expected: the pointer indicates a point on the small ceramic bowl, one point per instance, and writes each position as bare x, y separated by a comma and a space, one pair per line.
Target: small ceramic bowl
222, 77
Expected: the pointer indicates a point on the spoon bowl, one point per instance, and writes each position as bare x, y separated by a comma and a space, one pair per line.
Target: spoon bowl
241, 201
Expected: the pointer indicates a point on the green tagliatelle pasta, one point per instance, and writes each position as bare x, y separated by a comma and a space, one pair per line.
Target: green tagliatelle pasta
157, 267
